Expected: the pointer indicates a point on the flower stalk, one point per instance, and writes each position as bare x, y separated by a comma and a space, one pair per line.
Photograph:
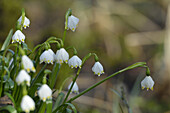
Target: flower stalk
139, 64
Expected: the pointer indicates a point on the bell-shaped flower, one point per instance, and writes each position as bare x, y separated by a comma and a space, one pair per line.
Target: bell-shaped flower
27, 104
61, 56
18, 37
75, 88
47, 56
26, 22
75, 61
27, 63
72, 23
98, 68
147, 83
23, 76
45, 92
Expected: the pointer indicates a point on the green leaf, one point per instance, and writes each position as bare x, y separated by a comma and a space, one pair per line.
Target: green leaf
59, 100
25, 47
37, 79
8, 108
54, 74
117, 93
10, 96
65, 105
49, 104
68, 110
8, 39
42, 108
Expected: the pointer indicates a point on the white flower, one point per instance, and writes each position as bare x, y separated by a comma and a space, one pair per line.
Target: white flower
47, 56
45, 92
75, 88
18, 37
27, 63
98, 69
27, 104
72, 23
26, 22
62, 56
147, 83
75, 61
23, 76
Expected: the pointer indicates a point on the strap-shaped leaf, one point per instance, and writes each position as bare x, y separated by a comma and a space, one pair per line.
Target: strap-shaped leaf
54, 74
10, 96
8, 39
8, 108
117, 93
65, 105
49, 104
59, 100
68, 110
37, 79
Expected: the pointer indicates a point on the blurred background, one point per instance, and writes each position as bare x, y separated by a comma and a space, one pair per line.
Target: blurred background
120, 32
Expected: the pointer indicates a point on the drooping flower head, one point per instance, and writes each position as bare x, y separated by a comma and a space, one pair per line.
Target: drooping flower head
27, 104
23, 76
147, 83
27, 63
47, 56
75, 88
72, 23
98, 68
75, 61
61, 56
45, 92
18, 37
26, 22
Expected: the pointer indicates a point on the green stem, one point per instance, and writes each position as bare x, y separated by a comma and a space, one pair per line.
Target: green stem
140, 64
74, 80
78, 72
64, 35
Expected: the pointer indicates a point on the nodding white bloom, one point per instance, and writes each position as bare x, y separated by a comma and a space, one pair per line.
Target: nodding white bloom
72, 23
18, 37
47, 56
75, 61
23, 76
75, 88
45, 92
27, 104
147, 83
27, 63
98, 68
61, 56
26, 22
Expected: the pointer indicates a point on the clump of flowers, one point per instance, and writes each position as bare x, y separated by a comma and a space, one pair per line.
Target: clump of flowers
23, 90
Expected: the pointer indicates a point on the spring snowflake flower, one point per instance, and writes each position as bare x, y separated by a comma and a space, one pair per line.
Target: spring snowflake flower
75, 88
98, 68
23, 76
75, 61
147, 83
27, 104
47, 56
62, 56
26, 22
72, 23
27, 63
44, 92
18, 37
